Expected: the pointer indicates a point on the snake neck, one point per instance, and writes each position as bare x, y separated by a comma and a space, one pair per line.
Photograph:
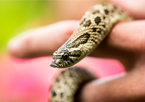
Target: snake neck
95, 25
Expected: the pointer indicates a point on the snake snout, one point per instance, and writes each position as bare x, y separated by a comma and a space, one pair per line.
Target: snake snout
53, 64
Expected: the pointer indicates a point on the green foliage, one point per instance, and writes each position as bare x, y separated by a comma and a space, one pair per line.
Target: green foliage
14, 14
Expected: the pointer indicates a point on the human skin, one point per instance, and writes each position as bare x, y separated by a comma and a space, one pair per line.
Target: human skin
125, 43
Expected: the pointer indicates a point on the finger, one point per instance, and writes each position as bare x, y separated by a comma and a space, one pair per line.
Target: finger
129, 88
125, 43
42, 41
134, 7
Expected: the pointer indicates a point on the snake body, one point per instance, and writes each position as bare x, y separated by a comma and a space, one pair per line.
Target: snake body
67, 84
94, 27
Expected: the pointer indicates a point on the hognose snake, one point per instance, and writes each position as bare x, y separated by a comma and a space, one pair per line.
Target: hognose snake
94, 27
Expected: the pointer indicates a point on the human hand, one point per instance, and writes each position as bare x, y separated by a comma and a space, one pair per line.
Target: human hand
125, 43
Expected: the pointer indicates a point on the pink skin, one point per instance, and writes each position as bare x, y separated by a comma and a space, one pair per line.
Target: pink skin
125, 43
28, 80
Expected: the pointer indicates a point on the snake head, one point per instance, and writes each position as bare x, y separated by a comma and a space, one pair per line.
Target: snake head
63, 58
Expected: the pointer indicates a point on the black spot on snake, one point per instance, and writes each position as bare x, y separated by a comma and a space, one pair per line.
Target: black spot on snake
94, 41
57, 80
104, 17
53, 93
97, 20
103, 25
106, 11
94, 29
99, 31
61, 94
68, 63
75, 53
71, 60
87, 23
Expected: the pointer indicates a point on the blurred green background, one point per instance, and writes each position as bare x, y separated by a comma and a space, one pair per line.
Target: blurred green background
16, 16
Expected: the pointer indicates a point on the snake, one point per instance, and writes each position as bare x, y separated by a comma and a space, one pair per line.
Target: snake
94, 26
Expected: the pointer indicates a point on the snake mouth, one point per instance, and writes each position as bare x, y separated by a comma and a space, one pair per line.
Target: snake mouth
53, 65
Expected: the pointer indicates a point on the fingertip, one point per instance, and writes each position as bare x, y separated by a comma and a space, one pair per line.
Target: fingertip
13, 46
132, 7
19, 46
40, 41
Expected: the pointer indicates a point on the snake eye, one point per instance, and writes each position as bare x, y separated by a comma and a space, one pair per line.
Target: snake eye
65, 56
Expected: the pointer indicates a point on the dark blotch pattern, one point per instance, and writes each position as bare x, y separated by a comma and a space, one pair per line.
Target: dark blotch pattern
103, 25
53, 93
82, 39
106, 11
68, 63
99, 31
75, 53
71, 60
97, 20
57, 80
94, 29
94, 41
87, 23
104, 17
61, 94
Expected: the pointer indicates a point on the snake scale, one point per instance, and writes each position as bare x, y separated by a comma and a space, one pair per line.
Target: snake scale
94, 27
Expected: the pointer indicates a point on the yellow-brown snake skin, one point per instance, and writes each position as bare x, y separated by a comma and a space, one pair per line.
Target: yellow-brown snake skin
66, 86
94, 27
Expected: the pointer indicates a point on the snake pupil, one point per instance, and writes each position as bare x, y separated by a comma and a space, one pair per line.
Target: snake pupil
65, 56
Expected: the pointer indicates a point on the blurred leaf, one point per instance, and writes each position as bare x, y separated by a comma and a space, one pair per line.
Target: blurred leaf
14, 14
